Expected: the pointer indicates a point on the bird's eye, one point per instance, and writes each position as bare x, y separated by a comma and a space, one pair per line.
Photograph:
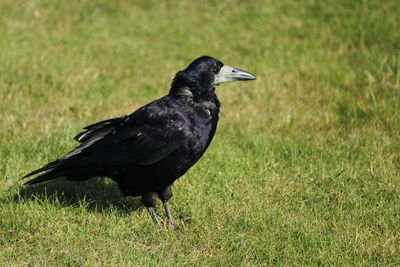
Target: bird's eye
216, 70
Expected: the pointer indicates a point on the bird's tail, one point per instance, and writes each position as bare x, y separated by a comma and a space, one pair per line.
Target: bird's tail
42, 177
66, 169
46, 167
50, 170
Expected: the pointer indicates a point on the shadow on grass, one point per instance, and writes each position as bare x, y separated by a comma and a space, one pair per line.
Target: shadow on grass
96, 195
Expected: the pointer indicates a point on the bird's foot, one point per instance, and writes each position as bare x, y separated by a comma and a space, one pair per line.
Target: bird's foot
172, 226
169, 216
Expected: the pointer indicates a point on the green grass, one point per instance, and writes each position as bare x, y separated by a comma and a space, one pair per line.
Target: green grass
305, 165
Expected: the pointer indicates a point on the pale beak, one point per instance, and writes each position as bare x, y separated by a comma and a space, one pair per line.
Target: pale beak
229, 74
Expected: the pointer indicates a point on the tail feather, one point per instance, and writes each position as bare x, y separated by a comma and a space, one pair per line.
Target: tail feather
46, 167
70, 173
54, 169
43, 177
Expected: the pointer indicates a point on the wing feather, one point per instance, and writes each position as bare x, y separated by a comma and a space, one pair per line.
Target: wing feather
134, 139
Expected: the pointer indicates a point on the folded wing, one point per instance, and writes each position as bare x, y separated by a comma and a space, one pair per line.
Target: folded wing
114, 143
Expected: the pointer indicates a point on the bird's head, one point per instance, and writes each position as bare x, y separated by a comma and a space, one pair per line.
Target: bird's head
203, 74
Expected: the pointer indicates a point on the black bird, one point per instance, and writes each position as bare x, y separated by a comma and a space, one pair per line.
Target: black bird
146, 151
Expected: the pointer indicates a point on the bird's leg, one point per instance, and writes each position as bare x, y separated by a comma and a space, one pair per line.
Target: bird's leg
154, 216
169, 216
164, 195
149, 200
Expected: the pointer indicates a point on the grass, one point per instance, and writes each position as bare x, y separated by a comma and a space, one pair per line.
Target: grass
305, 165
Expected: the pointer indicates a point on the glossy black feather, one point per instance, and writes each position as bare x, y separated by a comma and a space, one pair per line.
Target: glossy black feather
149, 149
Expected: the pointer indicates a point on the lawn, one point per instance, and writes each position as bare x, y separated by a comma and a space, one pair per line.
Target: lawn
305, 165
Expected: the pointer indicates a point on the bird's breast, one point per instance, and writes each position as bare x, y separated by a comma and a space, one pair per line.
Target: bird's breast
203, 123
207, 108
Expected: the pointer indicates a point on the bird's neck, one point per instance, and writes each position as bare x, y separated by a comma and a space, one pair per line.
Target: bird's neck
195, 95
186, 87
